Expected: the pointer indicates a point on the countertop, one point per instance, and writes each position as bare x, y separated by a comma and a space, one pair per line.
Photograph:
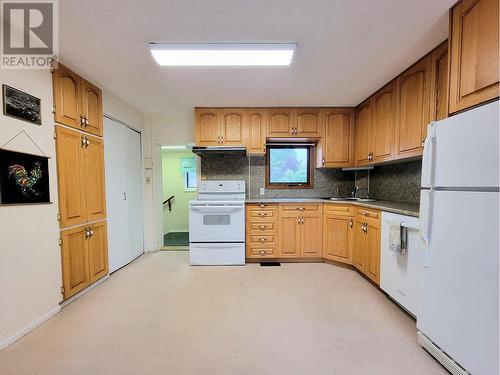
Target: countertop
403, 208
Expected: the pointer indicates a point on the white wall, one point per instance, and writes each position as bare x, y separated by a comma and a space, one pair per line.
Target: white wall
121, 110
30, 261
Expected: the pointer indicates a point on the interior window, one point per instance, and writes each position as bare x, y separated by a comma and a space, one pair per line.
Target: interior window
289, 166
190, 181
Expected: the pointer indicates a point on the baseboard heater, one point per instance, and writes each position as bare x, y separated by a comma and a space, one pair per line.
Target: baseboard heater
441, 356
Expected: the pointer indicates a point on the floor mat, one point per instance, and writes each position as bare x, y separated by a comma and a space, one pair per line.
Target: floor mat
176, 239
270, 264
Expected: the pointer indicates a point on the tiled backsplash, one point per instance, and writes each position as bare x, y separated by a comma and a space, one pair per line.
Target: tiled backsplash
397, 182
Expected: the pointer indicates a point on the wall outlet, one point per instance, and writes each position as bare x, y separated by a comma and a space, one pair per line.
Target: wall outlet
262, 191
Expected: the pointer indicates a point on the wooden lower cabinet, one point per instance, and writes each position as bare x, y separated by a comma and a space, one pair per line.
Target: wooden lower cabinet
290, 242
366, 252
338, 237
262, 231
84, 254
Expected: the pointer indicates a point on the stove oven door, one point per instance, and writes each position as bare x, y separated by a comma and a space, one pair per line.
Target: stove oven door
216, 222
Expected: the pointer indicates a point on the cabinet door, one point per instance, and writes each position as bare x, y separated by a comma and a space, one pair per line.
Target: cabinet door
67, 97
338, 238
412, 109
71, 177
289, 246
372, 263
75, 261
337, 137
311, 234
257, 129
362, 133
307, 123
382, 124
95, 191
359, 250
280, 122
233, 129
206, 127
439, 83
98, 251
474, 53
92, 107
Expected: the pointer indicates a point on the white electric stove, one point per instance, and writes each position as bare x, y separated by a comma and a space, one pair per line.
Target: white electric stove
217, 224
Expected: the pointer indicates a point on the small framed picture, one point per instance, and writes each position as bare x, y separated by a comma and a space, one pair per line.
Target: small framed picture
24, 178
21, 105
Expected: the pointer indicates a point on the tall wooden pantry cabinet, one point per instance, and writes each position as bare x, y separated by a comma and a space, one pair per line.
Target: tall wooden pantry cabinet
80, 170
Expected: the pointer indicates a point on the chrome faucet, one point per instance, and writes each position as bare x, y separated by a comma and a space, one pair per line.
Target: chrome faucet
355, 191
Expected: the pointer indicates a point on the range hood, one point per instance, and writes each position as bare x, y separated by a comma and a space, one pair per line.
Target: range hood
219, 150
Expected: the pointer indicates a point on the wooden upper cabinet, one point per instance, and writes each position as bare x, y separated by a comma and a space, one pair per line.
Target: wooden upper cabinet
77, 103
75, 261
98, 251
71, 177
207, 127
362, 134
232, 127
91, 107
413, 108
338, 136
382, 123
95, 191
67, 97
257, 130
280, 122
439, 83
338, 237
474, 60
307, 123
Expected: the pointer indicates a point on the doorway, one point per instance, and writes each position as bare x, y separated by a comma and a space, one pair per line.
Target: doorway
179, 180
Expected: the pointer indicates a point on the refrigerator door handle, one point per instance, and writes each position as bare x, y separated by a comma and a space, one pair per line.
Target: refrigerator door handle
425, 221
428, 157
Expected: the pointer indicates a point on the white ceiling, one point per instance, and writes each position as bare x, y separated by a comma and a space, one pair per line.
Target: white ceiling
346, 49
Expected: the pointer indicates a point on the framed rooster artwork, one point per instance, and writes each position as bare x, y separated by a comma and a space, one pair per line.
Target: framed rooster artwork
24, 178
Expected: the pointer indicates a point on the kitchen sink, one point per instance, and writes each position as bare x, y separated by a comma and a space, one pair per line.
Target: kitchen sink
352, 199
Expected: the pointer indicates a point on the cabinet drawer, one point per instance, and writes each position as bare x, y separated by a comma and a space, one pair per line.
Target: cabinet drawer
339, 209
262, 240
300, 207
262, 206
262, 252
366, 212
262, 227
263, 215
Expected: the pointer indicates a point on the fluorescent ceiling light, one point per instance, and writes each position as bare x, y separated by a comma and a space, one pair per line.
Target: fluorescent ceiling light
213, 54
181, 147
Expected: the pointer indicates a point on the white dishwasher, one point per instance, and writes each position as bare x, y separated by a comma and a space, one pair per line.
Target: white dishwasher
400, 274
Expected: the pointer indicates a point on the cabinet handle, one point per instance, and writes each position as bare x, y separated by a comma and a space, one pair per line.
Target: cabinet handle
82, 121
262, 252
350, 223
262, 214
262, 239
262, 205
84, 143
364, 213
221, 139
264, 148
87, 142
301, 208
262, 227
302, 220
86, 121
323, 161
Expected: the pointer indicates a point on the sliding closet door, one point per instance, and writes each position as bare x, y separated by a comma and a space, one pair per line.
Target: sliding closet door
135, 194
115, 140
124, 194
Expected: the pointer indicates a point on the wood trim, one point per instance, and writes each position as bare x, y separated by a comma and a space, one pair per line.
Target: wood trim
310, 185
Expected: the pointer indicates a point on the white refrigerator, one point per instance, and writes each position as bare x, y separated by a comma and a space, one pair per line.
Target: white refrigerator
457, 319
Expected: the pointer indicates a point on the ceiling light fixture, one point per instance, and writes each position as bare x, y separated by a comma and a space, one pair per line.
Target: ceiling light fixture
221, 54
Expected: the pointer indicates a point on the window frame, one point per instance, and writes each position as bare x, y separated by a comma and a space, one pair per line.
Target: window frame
291, 185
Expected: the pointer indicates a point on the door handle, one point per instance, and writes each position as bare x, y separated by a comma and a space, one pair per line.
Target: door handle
124, 196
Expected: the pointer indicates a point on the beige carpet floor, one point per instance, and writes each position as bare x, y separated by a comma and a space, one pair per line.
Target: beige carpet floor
160, 316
